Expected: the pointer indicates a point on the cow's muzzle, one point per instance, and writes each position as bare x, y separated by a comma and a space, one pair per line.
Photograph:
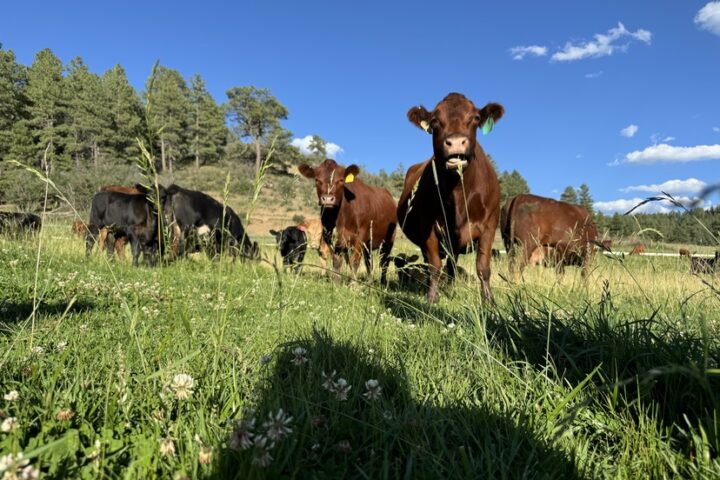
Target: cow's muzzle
327, 201
454, 162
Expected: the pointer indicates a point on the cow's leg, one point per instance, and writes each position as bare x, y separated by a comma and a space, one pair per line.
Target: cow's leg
110, 244
90, 236
135, 247
102, 237
337, 262
431, 252
356, 255
482, 261
367, 257
120, 247
385, 250
451, 266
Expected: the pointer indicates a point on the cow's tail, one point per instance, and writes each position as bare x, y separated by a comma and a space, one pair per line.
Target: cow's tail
506, 224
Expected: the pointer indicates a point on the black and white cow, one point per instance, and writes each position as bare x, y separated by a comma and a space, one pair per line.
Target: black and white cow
190, 212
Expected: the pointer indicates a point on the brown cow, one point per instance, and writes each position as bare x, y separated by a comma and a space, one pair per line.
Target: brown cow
78, 227
638, 249
561, 231
120, 241
452, 199
362, 216
684, 252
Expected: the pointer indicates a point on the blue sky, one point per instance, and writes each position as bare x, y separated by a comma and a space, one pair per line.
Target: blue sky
349, 71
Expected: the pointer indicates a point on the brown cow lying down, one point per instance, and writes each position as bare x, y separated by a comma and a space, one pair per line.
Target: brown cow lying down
453, 198
562, 231
362, 216
638, 249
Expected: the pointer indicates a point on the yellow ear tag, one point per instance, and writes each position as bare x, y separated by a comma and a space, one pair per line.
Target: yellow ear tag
350, 178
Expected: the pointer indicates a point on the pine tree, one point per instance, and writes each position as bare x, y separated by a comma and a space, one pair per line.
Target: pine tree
208, 132
169, 115
89, 124
318, 146
48, 110
255, 113
126, 116
584, 198
569, 195
512, 184
13, 102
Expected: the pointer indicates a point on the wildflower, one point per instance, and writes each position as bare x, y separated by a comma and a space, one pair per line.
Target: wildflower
341, 389
387, 415
262, 457
205, 455
8, 425
329, 381
343, 446
315, 446
374, 390
38, 350
265, 359
241, 438
61, 346
278, 426
64, 414
183, 385
319, 421
300, 358
17, 467
83, 327
11, 396
95, 454
167, 447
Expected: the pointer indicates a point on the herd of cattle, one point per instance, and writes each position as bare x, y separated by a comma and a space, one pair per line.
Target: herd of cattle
450, 205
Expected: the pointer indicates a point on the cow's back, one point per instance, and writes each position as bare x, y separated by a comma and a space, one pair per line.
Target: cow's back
370, 216
545, 221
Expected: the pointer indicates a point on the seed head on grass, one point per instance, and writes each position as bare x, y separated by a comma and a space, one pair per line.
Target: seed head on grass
182, 385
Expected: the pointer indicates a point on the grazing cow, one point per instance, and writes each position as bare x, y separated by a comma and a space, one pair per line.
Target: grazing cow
120, 240
639, 249
292, 243
362, 216
684, 252
78, 227
561, 232
452, 199
134, 216
495, 254
17, 222
189, 210
700, 265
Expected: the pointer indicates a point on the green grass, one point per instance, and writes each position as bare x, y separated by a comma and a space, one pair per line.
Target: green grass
616, 377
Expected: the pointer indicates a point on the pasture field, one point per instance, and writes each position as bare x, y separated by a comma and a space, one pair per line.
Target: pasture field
193, 370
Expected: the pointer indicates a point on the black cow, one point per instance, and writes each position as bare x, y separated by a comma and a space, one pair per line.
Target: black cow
292, 243
133, 216
188, 210
705, 265
16, 222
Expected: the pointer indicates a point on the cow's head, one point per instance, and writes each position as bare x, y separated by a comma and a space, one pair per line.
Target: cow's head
453, 124
331, 181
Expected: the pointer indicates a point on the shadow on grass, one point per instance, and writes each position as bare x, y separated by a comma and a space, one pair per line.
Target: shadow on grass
395, 436
16, 312
647, 366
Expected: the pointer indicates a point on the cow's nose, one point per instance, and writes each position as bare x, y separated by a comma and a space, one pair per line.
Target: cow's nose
456, 144
327, 199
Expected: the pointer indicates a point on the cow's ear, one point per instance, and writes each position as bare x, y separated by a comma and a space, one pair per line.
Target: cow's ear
420, 118
275, 233
306, 171
491, 110
351, 172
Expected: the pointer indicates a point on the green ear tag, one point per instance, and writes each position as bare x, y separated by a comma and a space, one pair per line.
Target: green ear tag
488, 126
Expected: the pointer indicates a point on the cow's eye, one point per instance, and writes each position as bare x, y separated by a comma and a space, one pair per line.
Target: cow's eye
434, 123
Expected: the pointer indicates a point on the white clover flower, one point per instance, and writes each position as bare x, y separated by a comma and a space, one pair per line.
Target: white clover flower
278, 426
262, 457
167, 447
9, 424
341, 389
205, 456
374, 390
265, 359
61, 346
242, 436
38, 350
329, 381
17, 467
11, 396
182, 385
299, 356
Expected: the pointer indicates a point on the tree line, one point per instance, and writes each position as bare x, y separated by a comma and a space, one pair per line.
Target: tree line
79, 127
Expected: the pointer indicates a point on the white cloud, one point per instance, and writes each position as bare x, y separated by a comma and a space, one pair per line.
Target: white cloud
519, 52
594, 74
602, 46
303, 144
629, 131
664, 153
716, 129
708, 18
655, 139
673, 187
622, 205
